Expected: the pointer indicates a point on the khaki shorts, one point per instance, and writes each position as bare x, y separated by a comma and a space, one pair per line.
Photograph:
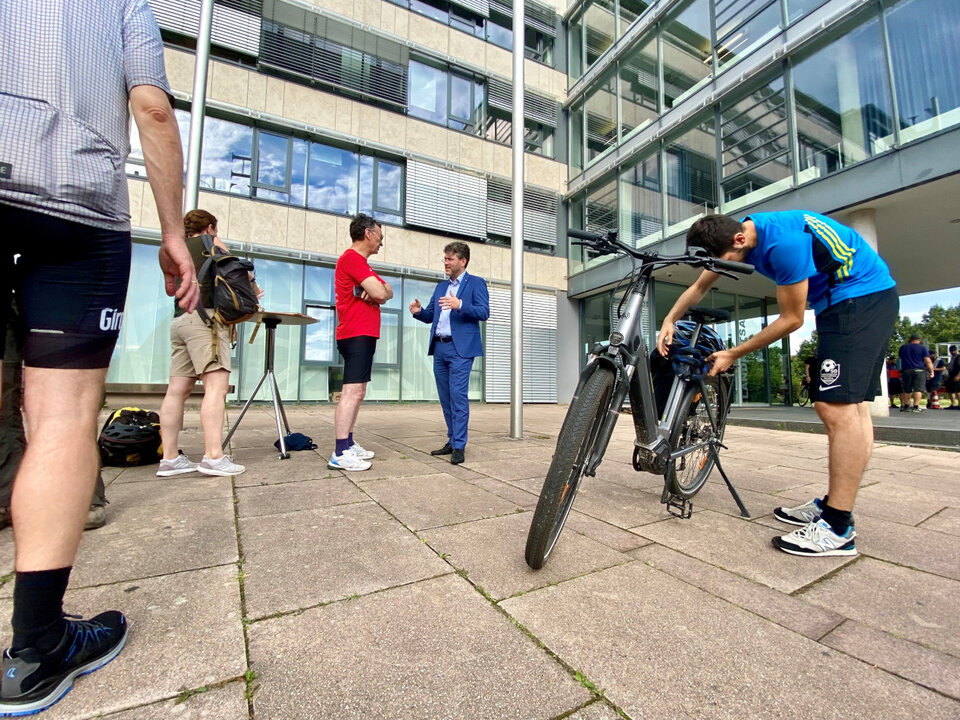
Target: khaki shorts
192, 346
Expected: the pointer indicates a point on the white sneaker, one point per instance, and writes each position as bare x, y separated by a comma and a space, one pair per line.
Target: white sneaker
817, 538
361, 452
178, 466
348, 461
221, 467
801, 514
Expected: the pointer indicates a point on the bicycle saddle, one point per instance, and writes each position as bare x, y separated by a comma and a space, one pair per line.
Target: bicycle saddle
704, 315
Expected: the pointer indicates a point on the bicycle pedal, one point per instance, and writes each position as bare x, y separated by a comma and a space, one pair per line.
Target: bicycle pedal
679, 507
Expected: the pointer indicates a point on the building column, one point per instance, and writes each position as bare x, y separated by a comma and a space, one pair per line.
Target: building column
865, 223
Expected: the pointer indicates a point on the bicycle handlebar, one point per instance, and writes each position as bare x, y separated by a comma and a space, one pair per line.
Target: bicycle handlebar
696, 257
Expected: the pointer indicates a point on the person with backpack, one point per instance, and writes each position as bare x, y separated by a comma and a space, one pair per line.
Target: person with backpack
812, 257
203, 352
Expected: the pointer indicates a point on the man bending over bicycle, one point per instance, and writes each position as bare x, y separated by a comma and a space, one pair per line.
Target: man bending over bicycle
817, 260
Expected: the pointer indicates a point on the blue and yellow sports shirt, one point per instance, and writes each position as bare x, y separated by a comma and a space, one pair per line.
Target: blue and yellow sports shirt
798, 245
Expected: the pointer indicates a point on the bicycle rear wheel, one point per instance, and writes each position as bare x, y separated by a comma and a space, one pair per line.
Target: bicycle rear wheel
803, 397
577, 438
687, 474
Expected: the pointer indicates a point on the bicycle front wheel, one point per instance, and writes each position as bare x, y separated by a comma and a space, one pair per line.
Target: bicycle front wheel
687, 474
577, 439
803, 397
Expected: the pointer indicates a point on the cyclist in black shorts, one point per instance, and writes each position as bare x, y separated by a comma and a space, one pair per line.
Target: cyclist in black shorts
814, 259
73, 70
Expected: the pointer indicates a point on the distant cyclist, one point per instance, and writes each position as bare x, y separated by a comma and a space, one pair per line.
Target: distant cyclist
814, 259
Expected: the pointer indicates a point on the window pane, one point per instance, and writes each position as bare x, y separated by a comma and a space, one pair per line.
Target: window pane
428, 93
388, 344
417, 381
598, 20
576, 140
630, 10
641, 209
691, 176
742, 24
686, 51
756, 151
430, 8
843, 103
575, 47
318, 283
319, 337
282, 283
796, 9
298, 172
601, 107
389, 186
226, 160
142, 353
500, 31
333, 179
272, 159
926, 65
638, 86
366, 185
461, 102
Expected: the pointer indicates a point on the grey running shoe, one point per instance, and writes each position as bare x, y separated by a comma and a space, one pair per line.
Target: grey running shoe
178, 466
96, 517
361, 452
348, 461
221, 467
35, 680
801, 514
818, 538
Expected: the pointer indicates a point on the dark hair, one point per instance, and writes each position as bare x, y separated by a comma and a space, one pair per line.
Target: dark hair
196, 221
360, 224
952, 348
714, 233
460, 249
914, 338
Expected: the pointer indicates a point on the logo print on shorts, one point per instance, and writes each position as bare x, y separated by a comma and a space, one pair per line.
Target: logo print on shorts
829, 372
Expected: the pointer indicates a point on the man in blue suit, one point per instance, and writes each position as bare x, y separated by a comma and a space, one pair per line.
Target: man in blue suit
458, 305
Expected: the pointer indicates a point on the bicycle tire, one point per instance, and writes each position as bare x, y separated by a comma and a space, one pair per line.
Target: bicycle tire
577, 437
803, 397
687, 474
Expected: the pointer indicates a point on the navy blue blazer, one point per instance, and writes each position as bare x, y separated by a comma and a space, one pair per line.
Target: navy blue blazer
465, 322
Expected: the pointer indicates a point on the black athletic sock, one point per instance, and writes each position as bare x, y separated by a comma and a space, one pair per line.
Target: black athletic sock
38, 608
838, 520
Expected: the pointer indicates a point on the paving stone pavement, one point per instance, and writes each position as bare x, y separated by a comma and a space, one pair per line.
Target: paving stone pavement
293, 592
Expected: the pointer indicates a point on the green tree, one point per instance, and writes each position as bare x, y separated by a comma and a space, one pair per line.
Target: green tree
940, 324
902, 330
806, 349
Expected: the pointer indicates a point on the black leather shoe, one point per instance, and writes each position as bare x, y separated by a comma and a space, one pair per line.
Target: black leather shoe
457, 457
445, 450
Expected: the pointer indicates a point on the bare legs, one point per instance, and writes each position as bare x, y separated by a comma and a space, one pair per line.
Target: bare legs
850, 433
345, 416
215, 384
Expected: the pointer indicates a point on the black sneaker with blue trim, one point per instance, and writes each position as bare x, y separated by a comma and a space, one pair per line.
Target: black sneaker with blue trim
34, 680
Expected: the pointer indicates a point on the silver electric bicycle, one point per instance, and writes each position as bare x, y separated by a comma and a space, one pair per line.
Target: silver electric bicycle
678, 437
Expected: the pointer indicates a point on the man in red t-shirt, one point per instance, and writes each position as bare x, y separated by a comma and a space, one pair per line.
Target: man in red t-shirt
360, 292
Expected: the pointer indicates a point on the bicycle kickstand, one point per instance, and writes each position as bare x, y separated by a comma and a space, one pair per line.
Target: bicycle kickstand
733, 491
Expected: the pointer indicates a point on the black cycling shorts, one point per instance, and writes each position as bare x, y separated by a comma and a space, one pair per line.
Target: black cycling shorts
357, 358
70, 282
852, 339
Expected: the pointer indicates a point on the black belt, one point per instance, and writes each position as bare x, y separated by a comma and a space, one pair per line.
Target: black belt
442, 339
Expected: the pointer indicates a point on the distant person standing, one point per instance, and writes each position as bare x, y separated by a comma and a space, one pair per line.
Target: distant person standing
936, 382
915, 367
458, 306
360, 292
894, 386
811, 366
952, 383
71, 74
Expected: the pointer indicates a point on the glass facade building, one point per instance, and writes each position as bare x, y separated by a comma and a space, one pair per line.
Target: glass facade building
686, 108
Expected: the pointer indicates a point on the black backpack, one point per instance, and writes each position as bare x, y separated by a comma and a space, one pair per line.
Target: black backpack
233, 292
130, 436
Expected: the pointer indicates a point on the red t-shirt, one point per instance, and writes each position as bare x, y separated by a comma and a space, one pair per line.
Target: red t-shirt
354, 316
